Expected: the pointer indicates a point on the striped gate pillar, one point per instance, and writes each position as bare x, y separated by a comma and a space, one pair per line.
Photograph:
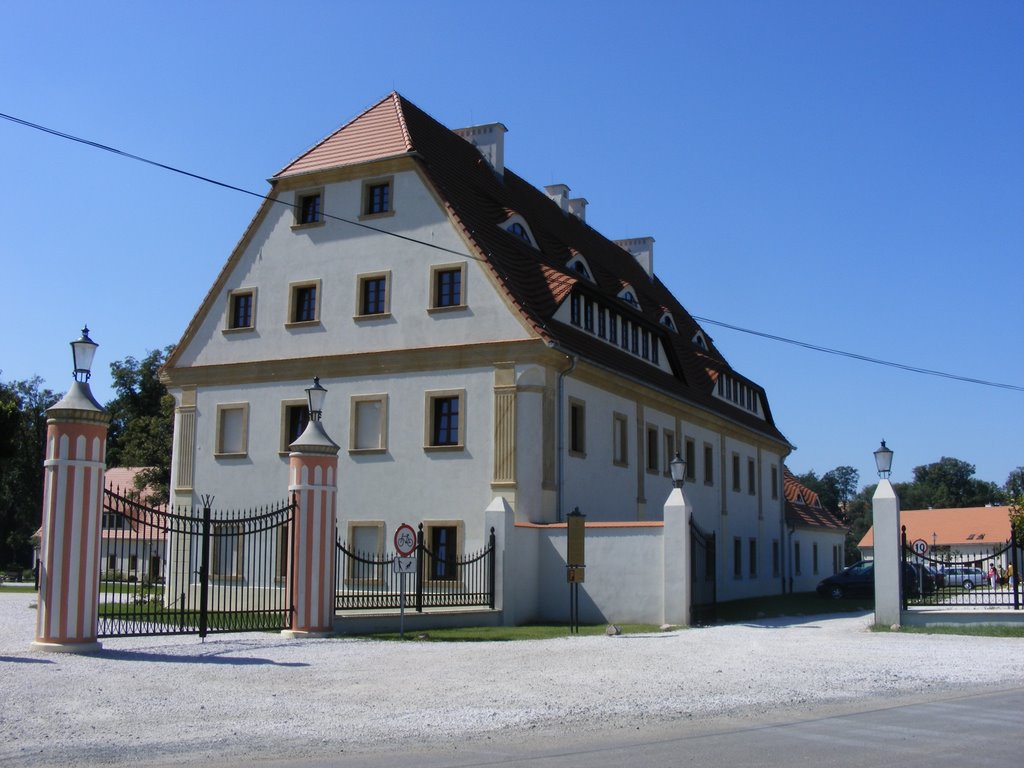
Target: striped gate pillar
69, 568
313, 470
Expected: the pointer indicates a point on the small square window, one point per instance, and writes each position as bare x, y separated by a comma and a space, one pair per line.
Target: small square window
377, 197
652, 448
242, 309
368, 419
227, 541
442, 541
304, 304
447, 286
620, 440
577, 428
374, 298
309, 208
294, 418
232, 430
445, 419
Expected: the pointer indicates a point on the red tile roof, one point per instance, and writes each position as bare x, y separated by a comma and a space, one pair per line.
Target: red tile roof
987, 526
537, 280
803, 507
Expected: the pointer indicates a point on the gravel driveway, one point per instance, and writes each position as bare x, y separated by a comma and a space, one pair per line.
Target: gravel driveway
178, 700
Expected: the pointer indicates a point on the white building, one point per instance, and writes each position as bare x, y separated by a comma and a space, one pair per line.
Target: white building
817, 537
478, 340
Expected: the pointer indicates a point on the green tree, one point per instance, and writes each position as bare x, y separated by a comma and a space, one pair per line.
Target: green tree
945, 484
23, 407
142, 422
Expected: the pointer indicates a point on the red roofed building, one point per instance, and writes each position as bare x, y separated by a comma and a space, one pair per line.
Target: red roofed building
966, 533
478, 339
816, 537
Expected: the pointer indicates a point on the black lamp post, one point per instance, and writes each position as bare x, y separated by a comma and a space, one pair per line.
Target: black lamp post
316, 395
678, 469
82, 352
883, 460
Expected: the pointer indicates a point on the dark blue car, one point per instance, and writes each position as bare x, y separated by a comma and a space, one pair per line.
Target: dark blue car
858, 580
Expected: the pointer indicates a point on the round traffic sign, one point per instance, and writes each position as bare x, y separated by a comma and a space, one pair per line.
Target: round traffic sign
405, 540
920, 546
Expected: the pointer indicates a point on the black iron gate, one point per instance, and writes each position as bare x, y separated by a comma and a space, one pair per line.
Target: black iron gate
440, 578
984, 577
193, 571
703, 586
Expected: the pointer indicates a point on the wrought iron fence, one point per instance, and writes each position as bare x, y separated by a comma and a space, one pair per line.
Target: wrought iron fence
988, 577
190, 571
370, 581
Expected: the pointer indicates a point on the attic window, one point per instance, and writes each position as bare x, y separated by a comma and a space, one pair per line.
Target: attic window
579, 266
519, 231
629, 296
668, 322
699, 341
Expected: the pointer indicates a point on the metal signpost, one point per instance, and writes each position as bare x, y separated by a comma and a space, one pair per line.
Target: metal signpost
575, 563
404, 564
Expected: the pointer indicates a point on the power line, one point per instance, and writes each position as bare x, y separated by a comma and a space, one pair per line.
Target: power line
862, 358
225, 185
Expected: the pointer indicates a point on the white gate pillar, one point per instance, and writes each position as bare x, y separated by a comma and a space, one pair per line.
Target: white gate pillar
885, 509
677, 556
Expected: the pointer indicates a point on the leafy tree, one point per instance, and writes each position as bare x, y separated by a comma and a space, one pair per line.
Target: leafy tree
1015, 496
841, 486
944, 484
142, 422
23, 407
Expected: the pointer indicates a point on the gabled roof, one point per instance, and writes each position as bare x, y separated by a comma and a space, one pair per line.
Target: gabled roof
964, 526
536, 280
803, 507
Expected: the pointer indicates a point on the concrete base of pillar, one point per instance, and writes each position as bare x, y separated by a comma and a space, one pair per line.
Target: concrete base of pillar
302, 634
89, 647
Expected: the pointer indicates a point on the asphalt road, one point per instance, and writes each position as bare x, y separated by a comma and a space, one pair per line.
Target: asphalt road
940, 731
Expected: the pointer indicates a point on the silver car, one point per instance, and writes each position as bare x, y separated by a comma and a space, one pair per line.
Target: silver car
964, 576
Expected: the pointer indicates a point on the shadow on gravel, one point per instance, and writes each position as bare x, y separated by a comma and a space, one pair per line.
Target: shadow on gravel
25, 660
171, 658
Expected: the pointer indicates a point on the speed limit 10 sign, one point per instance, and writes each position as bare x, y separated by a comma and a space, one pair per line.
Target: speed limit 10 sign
920, 546
405, 540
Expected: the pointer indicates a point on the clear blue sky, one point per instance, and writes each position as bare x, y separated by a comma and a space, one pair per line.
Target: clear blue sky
849, 174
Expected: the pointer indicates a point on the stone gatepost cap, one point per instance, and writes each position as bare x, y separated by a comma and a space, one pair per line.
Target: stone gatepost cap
78, 401
314, 439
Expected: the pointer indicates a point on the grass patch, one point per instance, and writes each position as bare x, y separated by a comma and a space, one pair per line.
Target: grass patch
797, 604
507, 634
966, 629
12, 588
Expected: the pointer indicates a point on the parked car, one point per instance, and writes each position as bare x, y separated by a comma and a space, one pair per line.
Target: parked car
938, 575
965, 576
858, 580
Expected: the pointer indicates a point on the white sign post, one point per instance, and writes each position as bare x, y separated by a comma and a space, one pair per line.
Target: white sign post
405, 545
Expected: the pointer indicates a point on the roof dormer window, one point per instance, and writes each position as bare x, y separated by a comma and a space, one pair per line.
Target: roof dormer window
519, 231
579, 266
516, 225
668, 322
628, 295
699, 341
